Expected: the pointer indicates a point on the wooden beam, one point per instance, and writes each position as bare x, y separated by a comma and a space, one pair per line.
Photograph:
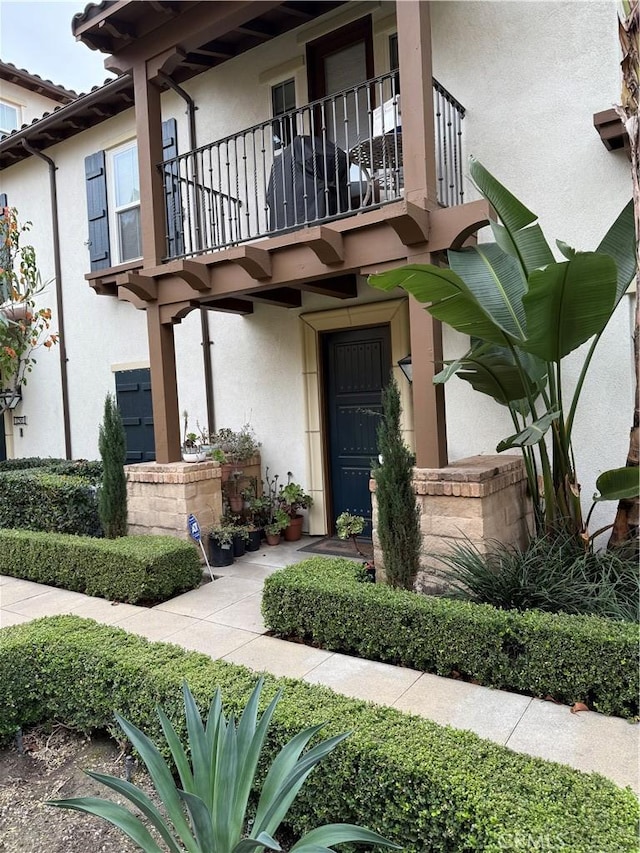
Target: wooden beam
164, 387
255, 261
283, 297
326, 243
339, 287
229, 306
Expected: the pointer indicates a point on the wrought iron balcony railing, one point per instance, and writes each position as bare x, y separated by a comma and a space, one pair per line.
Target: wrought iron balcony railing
329, 159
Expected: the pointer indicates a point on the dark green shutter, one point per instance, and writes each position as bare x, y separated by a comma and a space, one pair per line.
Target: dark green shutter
5, 257
97, 212
175, 237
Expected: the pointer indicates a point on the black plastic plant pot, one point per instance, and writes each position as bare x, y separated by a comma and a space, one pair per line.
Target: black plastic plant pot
219, 555
254, 541
238, 545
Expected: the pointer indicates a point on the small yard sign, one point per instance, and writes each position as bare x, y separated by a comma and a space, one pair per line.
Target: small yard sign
194, 532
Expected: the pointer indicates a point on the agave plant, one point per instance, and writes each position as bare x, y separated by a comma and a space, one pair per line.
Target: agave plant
525, 312
209, 813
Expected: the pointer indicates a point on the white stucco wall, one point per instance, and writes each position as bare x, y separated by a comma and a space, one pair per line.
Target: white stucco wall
30, 105
530, 75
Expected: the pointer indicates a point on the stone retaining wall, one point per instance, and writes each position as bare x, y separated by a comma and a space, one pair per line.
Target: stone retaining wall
478, 499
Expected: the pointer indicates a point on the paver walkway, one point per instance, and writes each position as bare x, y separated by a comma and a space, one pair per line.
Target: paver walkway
223, 620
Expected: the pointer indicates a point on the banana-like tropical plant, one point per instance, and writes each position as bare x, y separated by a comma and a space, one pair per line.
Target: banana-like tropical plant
524, 312
210, 812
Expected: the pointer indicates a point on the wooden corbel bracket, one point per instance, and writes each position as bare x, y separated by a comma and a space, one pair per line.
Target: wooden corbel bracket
195, 275
411, 224
142, 286
174, 312
326, 243
255, 261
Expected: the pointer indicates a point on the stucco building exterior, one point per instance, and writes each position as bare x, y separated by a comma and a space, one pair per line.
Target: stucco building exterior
189, 268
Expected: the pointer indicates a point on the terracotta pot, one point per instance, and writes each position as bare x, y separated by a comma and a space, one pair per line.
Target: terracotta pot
236, 502
294, 531
272, 538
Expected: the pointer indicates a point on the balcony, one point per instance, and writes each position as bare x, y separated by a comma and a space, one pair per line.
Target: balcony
327, 160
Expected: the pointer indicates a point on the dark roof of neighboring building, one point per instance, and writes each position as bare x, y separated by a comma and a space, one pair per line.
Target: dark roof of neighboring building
35, 83
84, 111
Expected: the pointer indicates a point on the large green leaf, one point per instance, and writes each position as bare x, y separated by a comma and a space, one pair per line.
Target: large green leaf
141, 801
495, 376
510, 210
620, 244
450, 298
340, 833
162, 780
527, 244
568, 303
116, 815
532, 434
618, 484
495, 281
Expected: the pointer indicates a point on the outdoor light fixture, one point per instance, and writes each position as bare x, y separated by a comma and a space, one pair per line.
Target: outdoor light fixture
406, 367
9, 399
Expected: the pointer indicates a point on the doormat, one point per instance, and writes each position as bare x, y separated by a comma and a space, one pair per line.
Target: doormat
331, 546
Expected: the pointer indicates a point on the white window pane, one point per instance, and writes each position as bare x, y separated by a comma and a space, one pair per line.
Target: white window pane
129, 234
8, 118
127, 183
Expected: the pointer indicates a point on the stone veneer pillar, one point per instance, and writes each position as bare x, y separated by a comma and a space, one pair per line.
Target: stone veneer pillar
160, 497
479, 499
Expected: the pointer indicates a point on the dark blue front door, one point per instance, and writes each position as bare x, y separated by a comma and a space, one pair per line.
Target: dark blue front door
3, 445
357, 364
133, 393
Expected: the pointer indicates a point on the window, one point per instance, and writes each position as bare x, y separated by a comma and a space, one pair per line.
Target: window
283, 100
124, 201
8, 117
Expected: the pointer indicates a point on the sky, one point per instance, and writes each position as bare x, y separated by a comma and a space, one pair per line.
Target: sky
36, 35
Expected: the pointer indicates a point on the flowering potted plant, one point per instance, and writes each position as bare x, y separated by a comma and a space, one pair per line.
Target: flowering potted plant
23, 326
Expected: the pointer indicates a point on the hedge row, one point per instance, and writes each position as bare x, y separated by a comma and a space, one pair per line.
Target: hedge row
427, 787
131, 569
572, 658
89, 468
37, 499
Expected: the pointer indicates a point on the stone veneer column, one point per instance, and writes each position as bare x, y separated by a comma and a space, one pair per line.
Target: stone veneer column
479, 499
160, 497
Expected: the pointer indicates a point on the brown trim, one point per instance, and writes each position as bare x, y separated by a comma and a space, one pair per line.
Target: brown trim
611, 130
319, 49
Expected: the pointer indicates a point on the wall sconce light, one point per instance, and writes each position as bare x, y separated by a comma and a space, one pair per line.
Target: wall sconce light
406, 367
10, 399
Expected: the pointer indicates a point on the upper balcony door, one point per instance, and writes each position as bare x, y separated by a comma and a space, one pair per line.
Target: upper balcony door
341, 60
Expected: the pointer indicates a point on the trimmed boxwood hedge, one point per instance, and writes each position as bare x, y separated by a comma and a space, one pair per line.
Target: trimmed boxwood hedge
427, 787
38, 499
572, 658
131, 569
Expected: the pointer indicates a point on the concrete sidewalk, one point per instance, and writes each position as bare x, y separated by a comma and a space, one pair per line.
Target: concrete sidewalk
223, 619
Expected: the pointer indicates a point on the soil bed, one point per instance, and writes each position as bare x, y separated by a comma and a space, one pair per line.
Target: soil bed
52, 768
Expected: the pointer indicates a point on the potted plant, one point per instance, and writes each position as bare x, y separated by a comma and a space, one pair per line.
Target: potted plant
350, 527
191, 448
258, 514
234, 492
274, 528
292, 498
221, 545
240, 536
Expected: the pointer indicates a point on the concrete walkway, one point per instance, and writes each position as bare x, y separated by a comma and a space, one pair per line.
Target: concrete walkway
223, 619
